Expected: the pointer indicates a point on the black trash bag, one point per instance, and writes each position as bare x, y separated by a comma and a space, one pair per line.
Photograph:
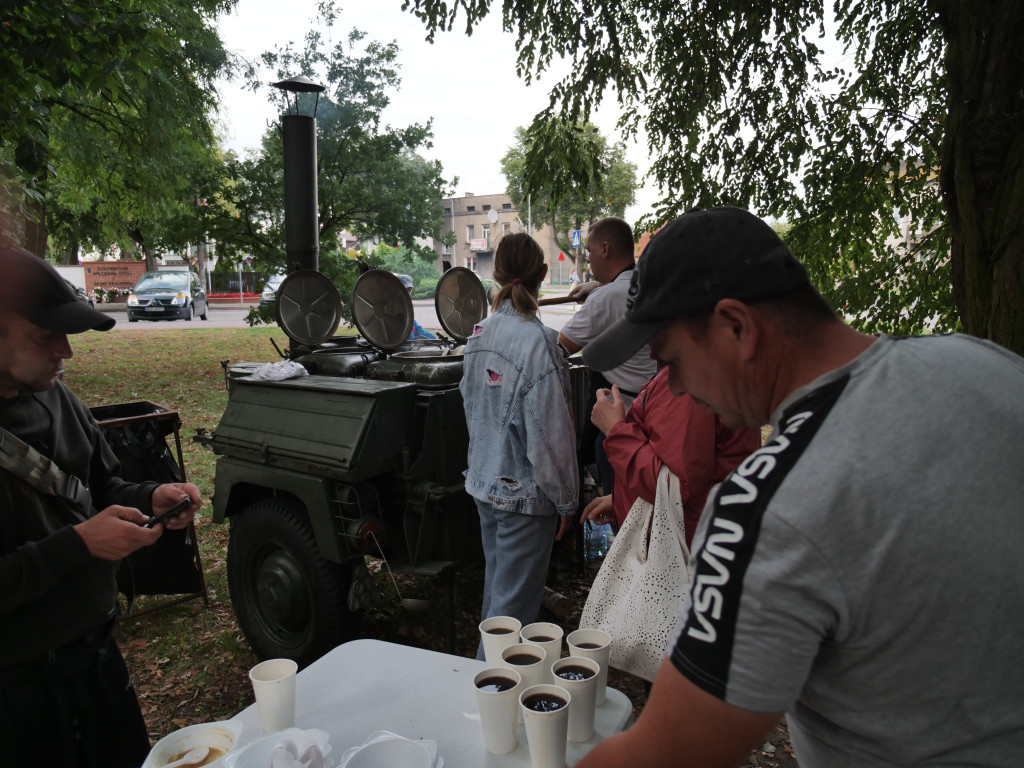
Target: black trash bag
169, 566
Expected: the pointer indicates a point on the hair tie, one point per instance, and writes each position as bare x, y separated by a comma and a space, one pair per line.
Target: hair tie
515, 281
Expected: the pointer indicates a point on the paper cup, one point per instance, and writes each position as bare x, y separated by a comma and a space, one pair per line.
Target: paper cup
273, 682
583, 692
496, 634
499, 709
549, 637
593, 644
546, 732
532, 671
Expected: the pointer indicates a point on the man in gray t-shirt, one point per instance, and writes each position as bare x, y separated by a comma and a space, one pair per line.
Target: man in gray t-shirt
860, 572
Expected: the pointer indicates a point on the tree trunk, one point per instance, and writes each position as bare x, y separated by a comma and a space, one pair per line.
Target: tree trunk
983, 166
35, 227
71, 256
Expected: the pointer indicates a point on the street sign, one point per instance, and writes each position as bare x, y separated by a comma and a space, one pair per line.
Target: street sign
575, 238
561, 256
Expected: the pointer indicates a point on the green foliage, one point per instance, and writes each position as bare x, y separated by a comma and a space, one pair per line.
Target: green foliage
105, 105
603, 184
403, 261
917, 120
371, 181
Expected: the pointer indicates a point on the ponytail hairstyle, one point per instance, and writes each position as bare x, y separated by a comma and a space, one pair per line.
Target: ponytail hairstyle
518, 268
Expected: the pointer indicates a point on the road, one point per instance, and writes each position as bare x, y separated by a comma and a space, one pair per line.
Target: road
230, 316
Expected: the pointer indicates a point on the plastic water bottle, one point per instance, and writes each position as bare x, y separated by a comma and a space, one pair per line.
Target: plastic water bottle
597, 539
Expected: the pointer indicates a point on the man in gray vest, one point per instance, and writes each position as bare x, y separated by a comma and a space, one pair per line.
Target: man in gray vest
860, 573
66, 521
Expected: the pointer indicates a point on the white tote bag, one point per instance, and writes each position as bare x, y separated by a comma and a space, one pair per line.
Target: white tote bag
637, 595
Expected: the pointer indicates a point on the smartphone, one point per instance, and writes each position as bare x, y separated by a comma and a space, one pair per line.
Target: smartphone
179, 507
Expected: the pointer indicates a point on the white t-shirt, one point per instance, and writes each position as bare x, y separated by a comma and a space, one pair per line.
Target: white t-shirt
604, 306
863, 569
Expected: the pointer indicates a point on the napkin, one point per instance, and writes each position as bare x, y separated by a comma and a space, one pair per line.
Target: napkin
290, 748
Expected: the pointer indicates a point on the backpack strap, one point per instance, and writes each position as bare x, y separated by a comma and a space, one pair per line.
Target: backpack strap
25, 462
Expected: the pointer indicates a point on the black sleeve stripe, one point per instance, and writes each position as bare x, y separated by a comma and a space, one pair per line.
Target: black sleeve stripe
703, 650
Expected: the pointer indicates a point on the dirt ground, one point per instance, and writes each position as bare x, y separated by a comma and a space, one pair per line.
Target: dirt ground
196, 670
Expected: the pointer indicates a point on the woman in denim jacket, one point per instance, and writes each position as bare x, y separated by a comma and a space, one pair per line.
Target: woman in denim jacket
522, 443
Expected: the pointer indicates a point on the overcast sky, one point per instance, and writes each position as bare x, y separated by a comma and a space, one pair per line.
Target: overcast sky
470, 136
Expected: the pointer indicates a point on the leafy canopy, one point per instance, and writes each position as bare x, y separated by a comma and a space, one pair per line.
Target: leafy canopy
556, 197
743, 105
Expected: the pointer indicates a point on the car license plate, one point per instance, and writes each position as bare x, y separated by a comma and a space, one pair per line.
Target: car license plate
154, 309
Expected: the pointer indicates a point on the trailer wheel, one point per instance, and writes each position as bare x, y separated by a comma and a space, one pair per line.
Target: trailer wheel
289, 600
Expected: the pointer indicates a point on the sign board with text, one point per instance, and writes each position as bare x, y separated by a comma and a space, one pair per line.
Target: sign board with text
112, 274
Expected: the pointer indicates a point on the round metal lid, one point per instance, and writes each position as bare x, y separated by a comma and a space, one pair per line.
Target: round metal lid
308, 307
382, 309
460, 301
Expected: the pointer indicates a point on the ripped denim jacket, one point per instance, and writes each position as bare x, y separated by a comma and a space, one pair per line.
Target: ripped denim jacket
522, 442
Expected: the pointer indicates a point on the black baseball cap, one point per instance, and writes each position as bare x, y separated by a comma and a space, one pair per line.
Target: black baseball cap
690, 265
36, 291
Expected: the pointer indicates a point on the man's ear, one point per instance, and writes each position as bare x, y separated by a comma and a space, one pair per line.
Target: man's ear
736, 325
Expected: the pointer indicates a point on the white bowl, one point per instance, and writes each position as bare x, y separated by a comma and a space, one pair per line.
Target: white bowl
221, 736
390, 751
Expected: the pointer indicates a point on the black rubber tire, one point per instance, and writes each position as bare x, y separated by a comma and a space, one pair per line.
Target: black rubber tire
132, 319
191, 312
206, 312
289, 601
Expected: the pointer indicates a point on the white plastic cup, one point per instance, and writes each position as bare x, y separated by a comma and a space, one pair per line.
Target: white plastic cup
546, 732
600, 651
499, 710
532, 673
273, 682
583, 693
534, 633
498, 633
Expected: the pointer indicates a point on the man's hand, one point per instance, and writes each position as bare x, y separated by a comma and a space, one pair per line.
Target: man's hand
167, 495
116, 532
564, 524
599, 511
608, 410
580, 291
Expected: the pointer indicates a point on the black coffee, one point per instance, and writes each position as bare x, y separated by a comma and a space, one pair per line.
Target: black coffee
588, 646
495, 684
542, 702
574, 673
522, 659
499, 631
540, 639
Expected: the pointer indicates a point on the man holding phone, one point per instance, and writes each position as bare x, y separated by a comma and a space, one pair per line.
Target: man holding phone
66, 522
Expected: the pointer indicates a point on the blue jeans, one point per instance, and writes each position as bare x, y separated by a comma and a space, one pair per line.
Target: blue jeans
517, 550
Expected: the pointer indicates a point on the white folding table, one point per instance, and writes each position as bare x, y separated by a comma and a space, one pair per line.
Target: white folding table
366, 686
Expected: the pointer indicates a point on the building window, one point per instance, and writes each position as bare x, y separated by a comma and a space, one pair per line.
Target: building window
471, 263
486, 207
506, 227
470, 234
486, 231
470, 208
447, 211
506, 206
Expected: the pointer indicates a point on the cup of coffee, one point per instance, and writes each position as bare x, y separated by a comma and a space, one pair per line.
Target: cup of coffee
496, 634
593, 644
497, 695
549, 637
578, 675
273, 683
528, 660
545, 711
